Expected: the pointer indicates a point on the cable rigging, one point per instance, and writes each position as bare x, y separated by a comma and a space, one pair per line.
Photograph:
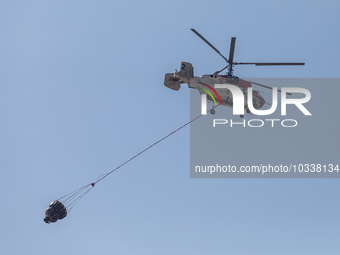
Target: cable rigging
59, 208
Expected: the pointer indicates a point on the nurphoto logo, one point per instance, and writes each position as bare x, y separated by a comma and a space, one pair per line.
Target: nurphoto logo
244, 100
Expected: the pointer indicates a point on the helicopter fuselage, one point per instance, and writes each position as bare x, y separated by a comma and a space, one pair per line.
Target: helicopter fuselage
206, 84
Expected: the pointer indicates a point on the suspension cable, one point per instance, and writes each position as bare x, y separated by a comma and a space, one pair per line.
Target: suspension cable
71, 199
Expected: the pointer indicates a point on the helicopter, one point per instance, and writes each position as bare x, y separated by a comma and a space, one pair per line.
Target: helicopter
206, 83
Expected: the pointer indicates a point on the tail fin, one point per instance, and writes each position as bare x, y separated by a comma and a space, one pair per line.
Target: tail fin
187, 70
172, 82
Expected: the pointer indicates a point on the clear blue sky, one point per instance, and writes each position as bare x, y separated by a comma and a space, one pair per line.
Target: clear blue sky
81, 91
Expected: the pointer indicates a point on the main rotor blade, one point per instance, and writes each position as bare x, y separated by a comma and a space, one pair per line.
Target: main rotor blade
217, 72
232, 49
269, 64
206, 41
261, 85
231, 55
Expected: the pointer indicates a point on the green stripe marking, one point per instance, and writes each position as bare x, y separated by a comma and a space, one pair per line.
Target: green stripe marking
206, 91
